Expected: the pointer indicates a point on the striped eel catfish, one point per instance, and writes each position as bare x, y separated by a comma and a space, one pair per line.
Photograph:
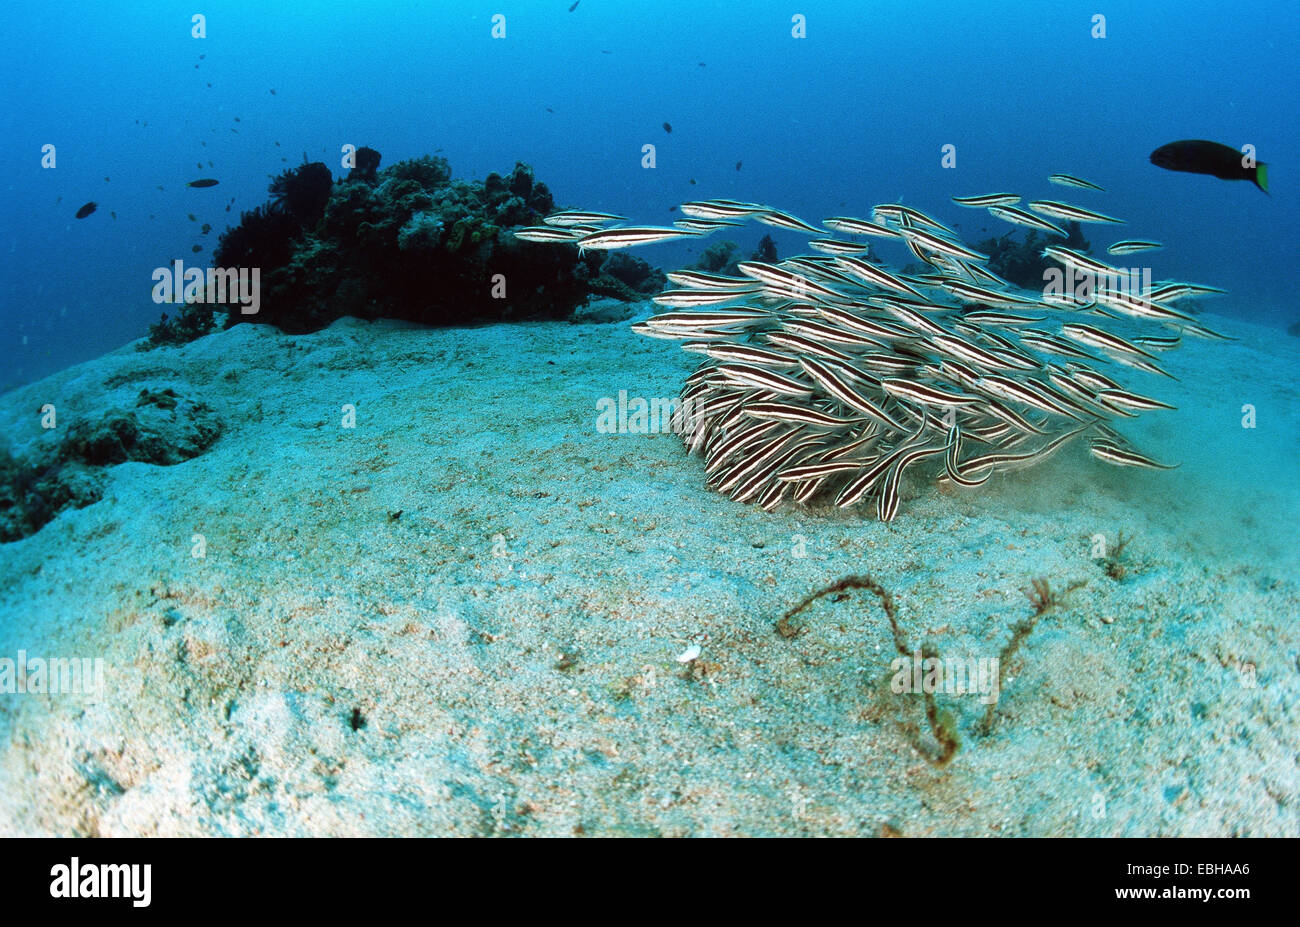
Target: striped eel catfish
826, 376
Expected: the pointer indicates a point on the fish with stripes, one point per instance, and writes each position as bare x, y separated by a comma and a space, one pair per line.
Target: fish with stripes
783, 220
631, 236
700, 280
581, 217
1122, 456
546, 233
1095, 337
1133, 246
932, 242
875, 275
720, 209
986, 200
1029, 220
1069, 180
1070, 212
850, 226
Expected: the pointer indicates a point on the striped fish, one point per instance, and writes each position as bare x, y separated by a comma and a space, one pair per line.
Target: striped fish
1132, 246
785, 281
581, 217
802, 415
1175, 291
706, 225
1071, 258
1119, 397
630, 236
783, 220
835, 246
1002, 318
1068, 212
712, 319
1069, 180
1096, 338
988, 199
684, 299
546, 233
875, 275
851, 226
924, 393
742, 353
887, 501
699, 280
1020, 217
749, 375
929, 240
839, 387
720, 209
1124, 457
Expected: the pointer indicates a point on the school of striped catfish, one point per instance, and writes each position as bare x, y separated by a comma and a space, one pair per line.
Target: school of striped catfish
827, 375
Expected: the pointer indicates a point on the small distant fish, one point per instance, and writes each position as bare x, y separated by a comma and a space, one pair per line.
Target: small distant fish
86, 210
1069, 180
272, 91
236, 119
668, 128
1197, 156
196, 248
575, 5
192, 219
692, 181
277, 144
202, 182
113, 214
199, 165
206, 228
201, 57
738, 163
1132, 245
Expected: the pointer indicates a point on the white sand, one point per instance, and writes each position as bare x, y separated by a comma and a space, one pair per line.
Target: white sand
527, 684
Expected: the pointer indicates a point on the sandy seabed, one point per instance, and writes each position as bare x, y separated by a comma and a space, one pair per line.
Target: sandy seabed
462, 615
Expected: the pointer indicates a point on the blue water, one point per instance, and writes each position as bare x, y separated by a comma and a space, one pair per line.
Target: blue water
855, 113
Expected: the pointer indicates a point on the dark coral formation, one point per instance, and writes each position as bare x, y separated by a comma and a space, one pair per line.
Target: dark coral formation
720, 257
407, 242
302, 192
1021, 261
158, 427
366, 163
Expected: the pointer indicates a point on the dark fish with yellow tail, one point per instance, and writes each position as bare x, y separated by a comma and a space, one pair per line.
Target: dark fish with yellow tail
1197, 156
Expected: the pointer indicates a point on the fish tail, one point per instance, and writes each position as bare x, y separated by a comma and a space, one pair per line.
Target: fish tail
1261, 176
